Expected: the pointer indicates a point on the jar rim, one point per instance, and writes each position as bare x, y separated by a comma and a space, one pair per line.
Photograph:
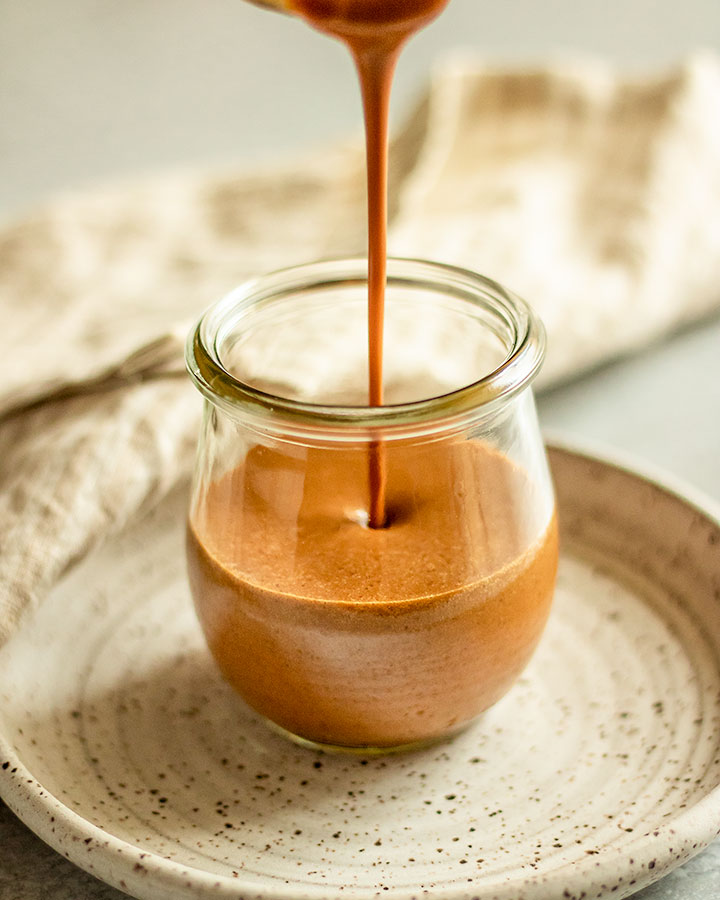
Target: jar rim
237, 398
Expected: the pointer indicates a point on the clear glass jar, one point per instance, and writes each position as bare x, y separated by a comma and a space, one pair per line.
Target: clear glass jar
337, 633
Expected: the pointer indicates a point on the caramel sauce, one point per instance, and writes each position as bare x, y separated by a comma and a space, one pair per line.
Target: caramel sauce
374, 31
403, 631
371, 637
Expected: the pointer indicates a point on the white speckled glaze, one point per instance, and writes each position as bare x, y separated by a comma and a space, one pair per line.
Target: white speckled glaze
598, 773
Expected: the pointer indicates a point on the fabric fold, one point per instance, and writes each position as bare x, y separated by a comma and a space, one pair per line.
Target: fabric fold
593, 195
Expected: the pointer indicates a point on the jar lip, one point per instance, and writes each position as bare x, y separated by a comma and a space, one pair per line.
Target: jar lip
517, 370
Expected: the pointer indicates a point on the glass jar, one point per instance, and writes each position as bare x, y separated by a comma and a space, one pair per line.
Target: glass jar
340, 634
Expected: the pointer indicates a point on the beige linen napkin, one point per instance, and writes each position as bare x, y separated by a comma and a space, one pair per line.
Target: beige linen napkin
595, 196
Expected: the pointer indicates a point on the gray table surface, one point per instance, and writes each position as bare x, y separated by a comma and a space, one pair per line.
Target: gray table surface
92, 90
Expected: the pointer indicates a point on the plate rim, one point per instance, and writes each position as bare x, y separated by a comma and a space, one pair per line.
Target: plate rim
62, 828
637, 467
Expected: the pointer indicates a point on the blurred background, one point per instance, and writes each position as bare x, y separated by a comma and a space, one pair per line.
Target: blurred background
94, 90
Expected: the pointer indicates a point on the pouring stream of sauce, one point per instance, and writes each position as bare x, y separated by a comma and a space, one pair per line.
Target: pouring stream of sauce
374, 31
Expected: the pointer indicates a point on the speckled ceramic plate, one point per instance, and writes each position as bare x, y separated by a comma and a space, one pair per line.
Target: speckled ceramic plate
599, 772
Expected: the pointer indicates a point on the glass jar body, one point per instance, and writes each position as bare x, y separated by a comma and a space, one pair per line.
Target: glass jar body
337, 633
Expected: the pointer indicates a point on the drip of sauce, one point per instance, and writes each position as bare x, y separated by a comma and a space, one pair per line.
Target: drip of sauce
374, 31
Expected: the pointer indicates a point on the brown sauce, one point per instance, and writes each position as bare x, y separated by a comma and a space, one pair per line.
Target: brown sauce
374, 31
371, 637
